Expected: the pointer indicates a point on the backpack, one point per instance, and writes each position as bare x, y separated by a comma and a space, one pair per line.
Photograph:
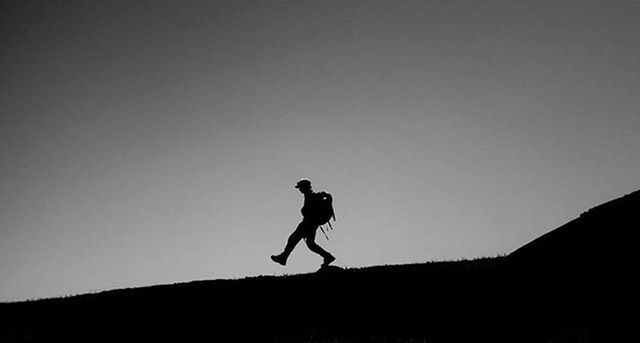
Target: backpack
323, 211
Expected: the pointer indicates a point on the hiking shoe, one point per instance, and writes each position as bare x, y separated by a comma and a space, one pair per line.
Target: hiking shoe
328, 261
279, 259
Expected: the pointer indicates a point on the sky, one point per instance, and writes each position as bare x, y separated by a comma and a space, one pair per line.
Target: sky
154, 142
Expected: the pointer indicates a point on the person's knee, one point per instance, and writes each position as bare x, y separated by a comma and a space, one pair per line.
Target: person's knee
311, 244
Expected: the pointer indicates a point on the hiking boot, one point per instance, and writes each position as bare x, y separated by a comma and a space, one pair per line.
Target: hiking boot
328, 261
279, 259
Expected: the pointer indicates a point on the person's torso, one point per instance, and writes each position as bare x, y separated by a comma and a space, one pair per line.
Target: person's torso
308, 206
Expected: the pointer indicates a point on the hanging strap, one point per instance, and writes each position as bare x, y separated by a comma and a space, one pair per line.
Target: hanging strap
325, 235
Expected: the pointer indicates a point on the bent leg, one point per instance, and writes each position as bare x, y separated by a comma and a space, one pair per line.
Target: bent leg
310, 239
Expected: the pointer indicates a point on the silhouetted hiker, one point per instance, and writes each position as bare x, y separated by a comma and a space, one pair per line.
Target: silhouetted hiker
312, 219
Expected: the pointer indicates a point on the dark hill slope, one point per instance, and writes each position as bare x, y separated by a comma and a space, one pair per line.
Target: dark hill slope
365, 302
604, 233
426, 282
433, 302
598, 252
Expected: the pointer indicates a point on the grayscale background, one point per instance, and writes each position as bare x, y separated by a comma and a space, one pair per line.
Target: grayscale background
149, 142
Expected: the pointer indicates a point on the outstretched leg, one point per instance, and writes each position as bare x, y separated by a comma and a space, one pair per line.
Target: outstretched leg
293, 240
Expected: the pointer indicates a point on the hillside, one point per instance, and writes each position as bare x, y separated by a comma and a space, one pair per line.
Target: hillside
576, 280
606, 233
597, 253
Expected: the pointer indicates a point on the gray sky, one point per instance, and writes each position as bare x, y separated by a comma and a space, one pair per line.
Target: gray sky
146, 142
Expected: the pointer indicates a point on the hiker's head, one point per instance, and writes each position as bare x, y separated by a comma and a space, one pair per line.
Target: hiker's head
304, 186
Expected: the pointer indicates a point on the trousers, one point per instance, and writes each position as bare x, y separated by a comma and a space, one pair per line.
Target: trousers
307, 230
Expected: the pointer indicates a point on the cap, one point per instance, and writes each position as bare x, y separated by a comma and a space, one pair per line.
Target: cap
303, 183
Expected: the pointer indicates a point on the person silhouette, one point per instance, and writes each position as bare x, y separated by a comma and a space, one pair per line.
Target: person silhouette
307, 228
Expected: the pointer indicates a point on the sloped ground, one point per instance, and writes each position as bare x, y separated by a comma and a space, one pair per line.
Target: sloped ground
574, 284
597, 254
433, 302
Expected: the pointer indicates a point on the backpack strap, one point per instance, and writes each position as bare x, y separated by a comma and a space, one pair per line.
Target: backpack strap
324, 233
